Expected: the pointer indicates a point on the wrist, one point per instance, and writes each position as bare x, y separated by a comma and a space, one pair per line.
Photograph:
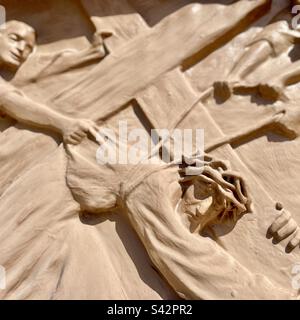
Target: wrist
63, 122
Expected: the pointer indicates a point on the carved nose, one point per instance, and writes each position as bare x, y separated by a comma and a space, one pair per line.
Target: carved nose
21, 47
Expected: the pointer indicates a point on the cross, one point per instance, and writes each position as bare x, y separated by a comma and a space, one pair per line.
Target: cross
173, 42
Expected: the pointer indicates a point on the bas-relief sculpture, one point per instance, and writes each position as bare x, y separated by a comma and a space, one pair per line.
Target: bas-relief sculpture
74, 229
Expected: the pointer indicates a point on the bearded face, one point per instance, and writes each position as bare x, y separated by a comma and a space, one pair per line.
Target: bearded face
17, 41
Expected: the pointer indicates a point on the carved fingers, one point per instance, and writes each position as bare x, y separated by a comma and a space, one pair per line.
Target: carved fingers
88, 55
289, 122
240, 188
283, 227
98, 43
215, 173
295, 241
227, 188
95, 53
77, 130
209, 170
222, 91
201, 160
273, 91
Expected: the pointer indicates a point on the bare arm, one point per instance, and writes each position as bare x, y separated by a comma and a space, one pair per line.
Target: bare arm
70, 59
274, 88
291, 74
27, 111
294, 34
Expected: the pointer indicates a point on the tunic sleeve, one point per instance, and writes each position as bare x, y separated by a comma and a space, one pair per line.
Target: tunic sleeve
94, 186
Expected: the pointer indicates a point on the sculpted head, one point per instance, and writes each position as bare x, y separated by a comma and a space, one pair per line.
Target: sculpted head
212, 195
17, 41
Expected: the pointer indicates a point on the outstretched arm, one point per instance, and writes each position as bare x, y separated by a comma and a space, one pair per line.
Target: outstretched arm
71, 59
27, 111
274, 88
290, 75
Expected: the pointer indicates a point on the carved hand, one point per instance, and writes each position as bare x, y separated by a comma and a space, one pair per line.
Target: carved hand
289, 122
77, 129
227, 188
273, 90
98, 44
283, 227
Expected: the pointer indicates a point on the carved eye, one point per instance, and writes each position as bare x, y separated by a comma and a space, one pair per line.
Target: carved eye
13, 37
29, 47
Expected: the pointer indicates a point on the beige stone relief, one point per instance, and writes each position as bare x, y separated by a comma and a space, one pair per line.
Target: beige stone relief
222, 224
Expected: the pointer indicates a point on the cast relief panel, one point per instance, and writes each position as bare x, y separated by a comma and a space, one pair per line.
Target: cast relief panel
219, 220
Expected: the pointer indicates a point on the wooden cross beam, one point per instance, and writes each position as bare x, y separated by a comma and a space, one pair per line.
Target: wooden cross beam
117, 18
138, 63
